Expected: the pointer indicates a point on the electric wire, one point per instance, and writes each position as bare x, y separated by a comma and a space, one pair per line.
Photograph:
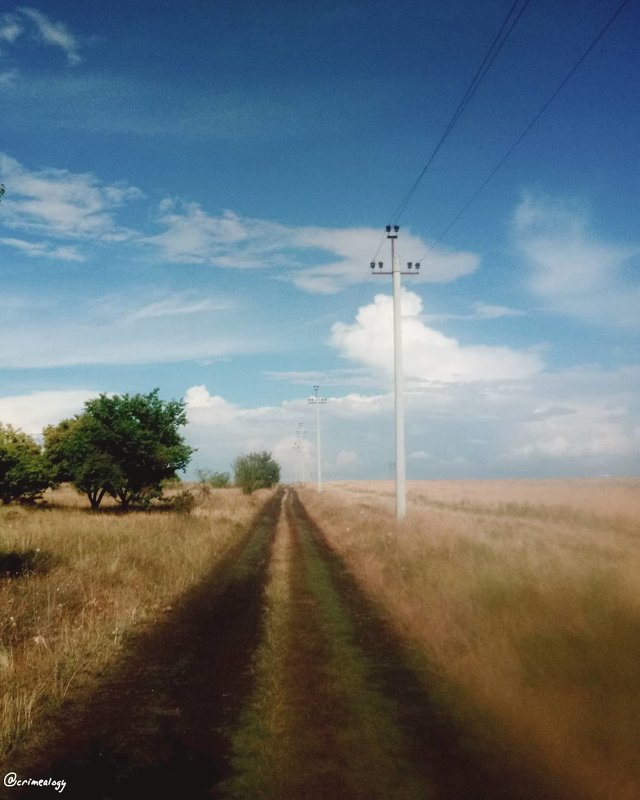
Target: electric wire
529, 126
496, 46
508, 24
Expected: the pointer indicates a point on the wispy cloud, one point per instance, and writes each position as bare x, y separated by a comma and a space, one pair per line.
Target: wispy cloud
44, 249
78, 328
571, 269
11, 27
317, 260
62, 204
180, 305
55, 34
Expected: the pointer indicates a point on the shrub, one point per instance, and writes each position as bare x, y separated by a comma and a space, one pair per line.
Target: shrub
255, 471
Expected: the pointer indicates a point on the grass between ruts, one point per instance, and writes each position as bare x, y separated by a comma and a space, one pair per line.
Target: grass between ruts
526, 596
316, 725
74, 584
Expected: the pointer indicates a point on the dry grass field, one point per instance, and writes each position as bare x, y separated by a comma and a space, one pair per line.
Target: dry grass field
74, 584
525, 596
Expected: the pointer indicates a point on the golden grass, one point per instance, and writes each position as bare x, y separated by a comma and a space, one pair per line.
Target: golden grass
525, 595
102, 575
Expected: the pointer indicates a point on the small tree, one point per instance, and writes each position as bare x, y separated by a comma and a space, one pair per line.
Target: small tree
255, 471
123, 445
24, 473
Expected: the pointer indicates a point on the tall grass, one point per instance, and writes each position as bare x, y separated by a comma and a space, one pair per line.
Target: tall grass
89, 581
526, 597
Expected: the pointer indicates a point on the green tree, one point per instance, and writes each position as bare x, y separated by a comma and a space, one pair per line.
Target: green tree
24, 473
255, 471
75, 457
122, 445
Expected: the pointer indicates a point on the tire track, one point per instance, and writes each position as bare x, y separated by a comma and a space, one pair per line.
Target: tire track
159, 724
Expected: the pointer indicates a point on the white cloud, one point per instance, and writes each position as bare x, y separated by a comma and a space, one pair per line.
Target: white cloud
574, 422
44, 250
487, 311
318, 260
32, 412
572, 270
62, 204
428, 354
194, 237
56, 34
354, 248
185, 303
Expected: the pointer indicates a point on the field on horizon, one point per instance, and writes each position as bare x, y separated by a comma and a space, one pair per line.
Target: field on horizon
524, 595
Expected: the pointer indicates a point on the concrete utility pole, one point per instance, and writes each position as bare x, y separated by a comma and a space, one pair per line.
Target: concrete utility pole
317, 402
396, 272
297, 446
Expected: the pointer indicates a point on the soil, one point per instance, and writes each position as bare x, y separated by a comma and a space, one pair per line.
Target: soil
161, 723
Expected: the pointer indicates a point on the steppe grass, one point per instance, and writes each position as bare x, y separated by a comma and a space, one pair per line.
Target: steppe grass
79, 583
525, 596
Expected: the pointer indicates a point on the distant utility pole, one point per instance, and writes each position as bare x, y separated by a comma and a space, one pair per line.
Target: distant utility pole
396, 272
297, 446
317, 402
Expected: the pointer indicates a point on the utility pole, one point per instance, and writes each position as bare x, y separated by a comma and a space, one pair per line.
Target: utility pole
317, 402
297, 446
396, 272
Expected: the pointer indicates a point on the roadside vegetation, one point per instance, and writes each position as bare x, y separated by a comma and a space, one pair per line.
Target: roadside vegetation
525, 596
75, 585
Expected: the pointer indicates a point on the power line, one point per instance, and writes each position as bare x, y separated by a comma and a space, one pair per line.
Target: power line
499, 40
507, 26
530, 125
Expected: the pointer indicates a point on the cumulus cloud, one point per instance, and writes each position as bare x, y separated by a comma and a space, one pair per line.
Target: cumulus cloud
429, 355
571, 269
32, 412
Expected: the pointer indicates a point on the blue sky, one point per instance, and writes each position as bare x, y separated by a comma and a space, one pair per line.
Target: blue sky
193, 196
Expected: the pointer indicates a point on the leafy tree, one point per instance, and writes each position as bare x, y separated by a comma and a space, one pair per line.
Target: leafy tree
123, 445
75, 457
255, 471
24, 473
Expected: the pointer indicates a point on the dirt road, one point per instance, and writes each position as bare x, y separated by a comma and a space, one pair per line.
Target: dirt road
274, 678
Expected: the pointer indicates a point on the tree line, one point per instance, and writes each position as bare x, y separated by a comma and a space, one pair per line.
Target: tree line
123, 446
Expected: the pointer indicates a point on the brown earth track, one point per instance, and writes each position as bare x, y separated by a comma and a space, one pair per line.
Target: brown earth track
157, 726
461, 756
161, 724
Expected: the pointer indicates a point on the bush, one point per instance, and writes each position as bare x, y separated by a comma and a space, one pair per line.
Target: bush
255, 471
213, 480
